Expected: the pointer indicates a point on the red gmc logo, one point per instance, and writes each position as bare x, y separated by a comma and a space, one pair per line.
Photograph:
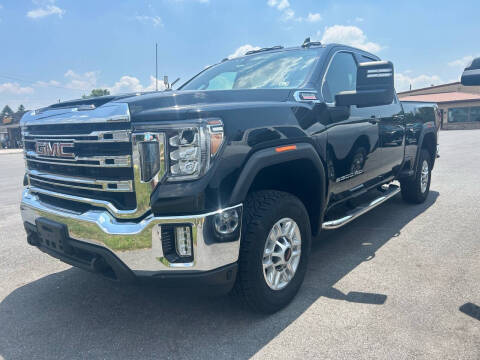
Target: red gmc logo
53, 149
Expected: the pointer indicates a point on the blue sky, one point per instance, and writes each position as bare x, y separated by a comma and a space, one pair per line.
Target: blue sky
61, 49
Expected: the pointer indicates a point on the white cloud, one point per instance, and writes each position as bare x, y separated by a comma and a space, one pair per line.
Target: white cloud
242, 50
279, 4
288, 14
85, 81
284, 7
128, 84
45, 8
314, 17
15, 88
156, 21
49, 83
349, 35
462, 62
74, 85
403, 81
283, 4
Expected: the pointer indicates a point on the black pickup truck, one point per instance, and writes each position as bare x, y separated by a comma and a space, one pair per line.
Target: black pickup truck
225, 181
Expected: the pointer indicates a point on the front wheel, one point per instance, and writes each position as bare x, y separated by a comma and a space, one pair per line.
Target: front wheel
274, 250
416, 189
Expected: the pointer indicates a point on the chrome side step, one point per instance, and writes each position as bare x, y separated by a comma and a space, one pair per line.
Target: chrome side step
335, 224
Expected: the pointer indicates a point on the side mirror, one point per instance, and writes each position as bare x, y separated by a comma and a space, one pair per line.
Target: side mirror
471, 74
374, 86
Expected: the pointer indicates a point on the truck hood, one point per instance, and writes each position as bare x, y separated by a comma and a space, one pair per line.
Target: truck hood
172, 104
165, 105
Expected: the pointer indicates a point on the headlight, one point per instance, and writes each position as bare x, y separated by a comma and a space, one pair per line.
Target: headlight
191, 148
150, 155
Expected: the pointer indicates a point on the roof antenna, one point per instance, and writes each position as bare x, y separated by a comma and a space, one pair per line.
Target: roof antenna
308, 43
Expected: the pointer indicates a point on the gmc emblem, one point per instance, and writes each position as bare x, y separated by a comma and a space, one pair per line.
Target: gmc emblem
53, 149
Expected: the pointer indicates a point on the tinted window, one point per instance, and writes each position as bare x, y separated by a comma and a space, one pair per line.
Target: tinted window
464, 114
458, 114
475, 113
269, 70
341, 76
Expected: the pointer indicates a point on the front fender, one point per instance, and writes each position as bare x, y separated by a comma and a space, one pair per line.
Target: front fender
270, 156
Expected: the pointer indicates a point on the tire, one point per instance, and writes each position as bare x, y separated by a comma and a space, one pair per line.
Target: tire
415, 190
264, 211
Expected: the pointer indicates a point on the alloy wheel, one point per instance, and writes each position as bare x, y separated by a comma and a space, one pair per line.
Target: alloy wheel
281, 255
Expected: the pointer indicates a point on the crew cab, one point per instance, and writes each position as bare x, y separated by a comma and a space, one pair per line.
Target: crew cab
225, 181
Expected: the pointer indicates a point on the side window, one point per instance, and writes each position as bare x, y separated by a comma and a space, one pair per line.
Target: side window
341, 76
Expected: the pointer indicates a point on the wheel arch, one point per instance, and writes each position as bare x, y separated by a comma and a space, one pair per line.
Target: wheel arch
429, 142
300, 172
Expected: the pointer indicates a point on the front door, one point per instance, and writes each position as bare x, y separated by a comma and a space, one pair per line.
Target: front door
353, 144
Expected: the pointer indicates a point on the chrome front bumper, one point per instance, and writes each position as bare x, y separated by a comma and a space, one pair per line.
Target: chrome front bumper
138, 244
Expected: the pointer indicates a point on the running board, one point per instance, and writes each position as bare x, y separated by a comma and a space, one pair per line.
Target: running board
335, 224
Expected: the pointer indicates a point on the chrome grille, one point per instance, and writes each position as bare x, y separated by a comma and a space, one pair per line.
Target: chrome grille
81, 183
100, 142
100, 166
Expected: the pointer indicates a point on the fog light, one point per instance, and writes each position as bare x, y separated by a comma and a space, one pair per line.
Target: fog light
226, 222
183, 241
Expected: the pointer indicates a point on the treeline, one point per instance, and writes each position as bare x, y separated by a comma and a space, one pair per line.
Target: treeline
7, 110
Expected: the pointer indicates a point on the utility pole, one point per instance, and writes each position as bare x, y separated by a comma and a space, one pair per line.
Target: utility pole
156, 67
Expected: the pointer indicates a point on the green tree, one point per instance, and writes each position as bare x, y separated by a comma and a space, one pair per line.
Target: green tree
21, 108
97, 92
6, 111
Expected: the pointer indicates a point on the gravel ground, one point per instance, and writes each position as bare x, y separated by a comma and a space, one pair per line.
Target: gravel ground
400, 282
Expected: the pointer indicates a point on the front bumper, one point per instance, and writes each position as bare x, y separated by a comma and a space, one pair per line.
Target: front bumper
135, 246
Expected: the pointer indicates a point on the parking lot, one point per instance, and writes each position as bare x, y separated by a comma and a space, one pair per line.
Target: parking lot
400, 282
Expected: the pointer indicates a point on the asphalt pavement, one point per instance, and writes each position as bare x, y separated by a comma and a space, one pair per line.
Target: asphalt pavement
401, 282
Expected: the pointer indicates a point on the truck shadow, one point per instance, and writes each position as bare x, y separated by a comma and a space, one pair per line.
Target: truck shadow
74, 314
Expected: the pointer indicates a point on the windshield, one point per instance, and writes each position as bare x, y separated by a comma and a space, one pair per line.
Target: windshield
274, 70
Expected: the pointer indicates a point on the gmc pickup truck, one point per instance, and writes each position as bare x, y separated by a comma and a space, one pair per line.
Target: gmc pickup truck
225, 181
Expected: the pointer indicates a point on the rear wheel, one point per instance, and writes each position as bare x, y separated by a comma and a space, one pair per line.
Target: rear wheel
274, 250
415, 190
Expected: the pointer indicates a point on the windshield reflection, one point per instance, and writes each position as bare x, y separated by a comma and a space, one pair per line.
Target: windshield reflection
276, 70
